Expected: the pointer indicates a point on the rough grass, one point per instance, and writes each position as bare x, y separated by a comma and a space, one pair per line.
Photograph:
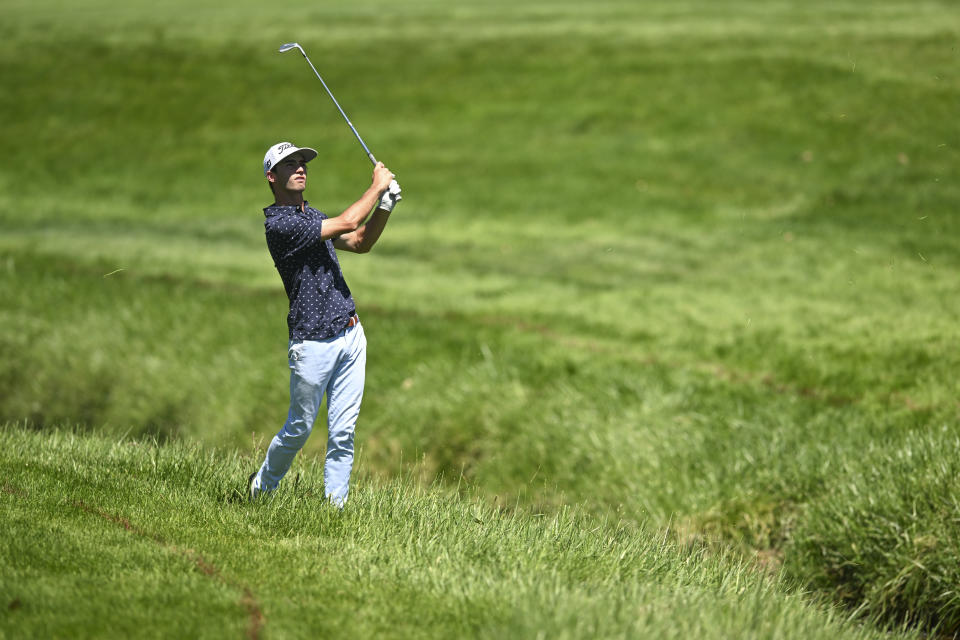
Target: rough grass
883, 536
149, 540
681, 264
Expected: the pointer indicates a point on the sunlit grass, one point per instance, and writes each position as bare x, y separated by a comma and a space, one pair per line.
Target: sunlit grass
674, 263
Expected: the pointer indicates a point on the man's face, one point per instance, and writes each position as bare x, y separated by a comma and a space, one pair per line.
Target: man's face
290, 173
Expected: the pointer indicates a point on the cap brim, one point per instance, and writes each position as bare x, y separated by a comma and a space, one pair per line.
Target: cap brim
307, 153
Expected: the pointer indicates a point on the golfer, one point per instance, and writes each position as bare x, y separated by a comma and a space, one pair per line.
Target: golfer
327, 351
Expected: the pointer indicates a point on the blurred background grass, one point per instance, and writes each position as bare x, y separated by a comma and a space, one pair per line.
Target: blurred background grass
678, 262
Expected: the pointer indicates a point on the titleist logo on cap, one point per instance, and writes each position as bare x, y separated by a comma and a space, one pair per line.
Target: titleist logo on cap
281, 150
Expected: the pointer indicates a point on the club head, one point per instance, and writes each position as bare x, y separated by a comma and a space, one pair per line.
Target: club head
288, 46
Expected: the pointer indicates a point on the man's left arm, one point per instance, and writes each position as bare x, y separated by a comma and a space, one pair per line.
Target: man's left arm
363, 239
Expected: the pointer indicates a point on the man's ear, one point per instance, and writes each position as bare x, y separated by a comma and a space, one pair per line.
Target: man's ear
271, 177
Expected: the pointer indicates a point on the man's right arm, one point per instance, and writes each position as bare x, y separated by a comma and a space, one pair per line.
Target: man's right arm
354, 215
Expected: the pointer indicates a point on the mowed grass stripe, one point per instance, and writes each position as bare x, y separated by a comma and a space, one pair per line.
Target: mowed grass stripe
432, 21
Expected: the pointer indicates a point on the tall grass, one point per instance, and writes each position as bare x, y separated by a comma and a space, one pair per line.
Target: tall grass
149, 540
882, 537
680, 264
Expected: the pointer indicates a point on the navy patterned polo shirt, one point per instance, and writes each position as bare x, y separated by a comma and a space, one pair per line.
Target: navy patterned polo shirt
320, 301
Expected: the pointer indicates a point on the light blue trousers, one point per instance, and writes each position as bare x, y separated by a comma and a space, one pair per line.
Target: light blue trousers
335, 367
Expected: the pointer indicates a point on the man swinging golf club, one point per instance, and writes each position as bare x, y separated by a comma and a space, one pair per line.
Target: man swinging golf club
327, 348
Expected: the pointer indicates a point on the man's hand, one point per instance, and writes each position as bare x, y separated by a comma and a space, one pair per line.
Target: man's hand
390, 197
353, 217
362, 238
381, 177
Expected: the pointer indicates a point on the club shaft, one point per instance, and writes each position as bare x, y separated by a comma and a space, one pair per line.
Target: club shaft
339, 108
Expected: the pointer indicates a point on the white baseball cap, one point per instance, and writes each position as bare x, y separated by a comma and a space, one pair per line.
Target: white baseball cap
281, 150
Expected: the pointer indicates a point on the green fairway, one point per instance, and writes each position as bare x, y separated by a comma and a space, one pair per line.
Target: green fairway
687, 269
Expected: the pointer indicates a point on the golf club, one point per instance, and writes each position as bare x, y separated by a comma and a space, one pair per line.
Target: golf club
294, 45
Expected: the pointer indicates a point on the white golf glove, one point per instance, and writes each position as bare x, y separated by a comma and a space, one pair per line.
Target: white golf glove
390, 197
